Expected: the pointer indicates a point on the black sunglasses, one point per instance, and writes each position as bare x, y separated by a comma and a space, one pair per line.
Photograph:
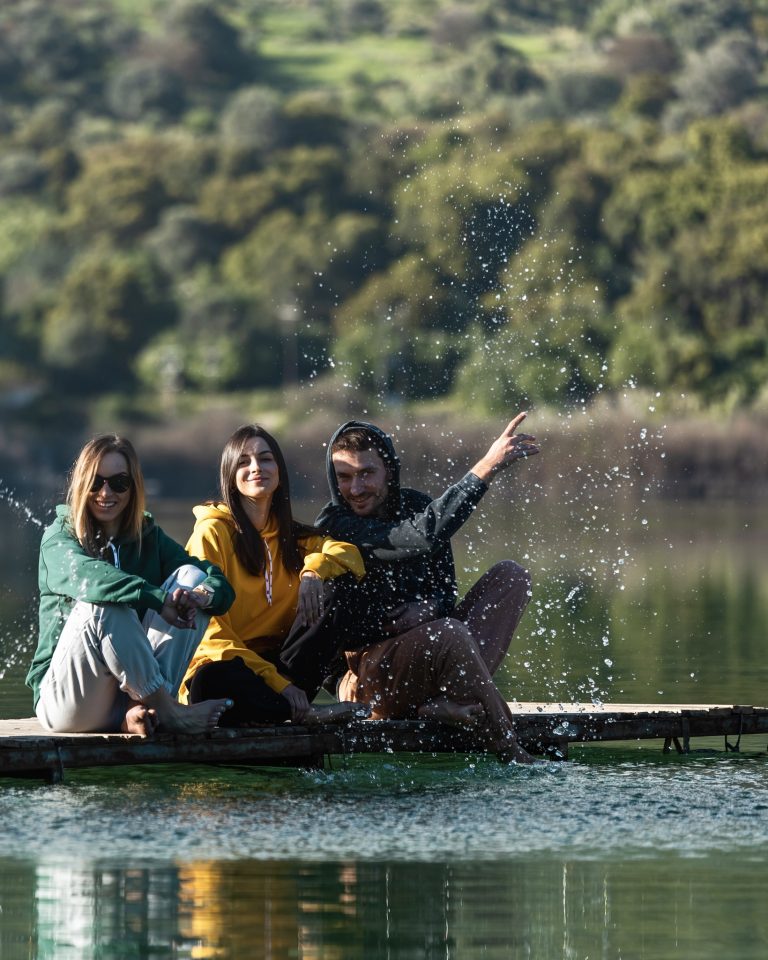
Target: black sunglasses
118, 482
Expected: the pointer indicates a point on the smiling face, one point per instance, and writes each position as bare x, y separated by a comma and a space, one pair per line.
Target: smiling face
105, 505
363, 480
257, 475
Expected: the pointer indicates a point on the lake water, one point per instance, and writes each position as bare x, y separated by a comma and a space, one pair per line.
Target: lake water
622, 852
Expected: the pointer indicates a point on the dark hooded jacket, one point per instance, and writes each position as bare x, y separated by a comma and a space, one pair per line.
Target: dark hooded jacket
407, 550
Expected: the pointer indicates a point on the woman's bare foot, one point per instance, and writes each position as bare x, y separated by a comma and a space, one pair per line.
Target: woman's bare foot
337, 712
174, 717
453, 713
197, 717
140, 720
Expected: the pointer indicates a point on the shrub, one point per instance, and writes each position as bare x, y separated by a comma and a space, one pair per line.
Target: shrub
20, 172
143, 90
108, 306
182, 240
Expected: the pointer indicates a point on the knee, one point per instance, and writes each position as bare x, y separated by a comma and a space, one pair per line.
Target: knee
189, 576
454, 635
113, 617
512, 573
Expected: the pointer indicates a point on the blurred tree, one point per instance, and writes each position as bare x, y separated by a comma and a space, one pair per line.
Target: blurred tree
641, 53
689, 24
209, 48
46, 44
314, 118
645, 94
695, 231
398, 334
219, 343
718, 78
119, 191
182, 240
583, 91
238, 203
298, 179
491, 67
9, 63
308, 260
364, 16
20, 172
47, 124
570, 12
252, 125
458, 25
183, 163
108, 307
546, 332
145, 91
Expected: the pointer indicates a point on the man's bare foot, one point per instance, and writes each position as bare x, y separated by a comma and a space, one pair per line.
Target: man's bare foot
141, 720
337, 712
453, 713
510, 751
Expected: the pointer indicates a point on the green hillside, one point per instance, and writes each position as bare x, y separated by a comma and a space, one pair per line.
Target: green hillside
502, 202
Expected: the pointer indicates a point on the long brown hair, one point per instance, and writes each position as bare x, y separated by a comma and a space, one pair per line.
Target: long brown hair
249, 546
79, 486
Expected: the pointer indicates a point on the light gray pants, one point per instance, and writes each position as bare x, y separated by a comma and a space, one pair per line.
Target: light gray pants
106, 657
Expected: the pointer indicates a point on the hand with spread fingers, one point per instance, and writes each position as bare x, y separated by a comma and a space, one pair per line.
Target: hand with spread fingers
311, 599
505, 449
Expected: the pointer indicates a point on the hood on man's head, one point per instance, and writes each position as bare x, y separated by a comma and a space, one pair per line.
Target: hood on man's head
382, 444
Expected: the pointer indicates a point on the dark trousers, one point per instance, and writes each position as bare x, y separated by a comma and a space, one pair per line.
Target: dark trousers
255, 702
307, 657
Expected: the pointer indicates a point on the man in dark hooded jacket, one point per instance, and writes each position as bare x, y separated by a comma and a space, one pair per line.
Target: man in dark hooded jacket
412, 649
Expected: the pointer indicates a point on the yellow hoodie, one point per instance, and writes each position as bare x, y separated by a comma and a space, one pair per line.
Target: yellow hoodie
253, 625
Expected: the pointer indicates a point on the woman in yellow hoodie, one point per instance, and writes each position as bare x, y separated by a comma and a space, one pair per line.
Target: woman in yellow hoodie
277, 567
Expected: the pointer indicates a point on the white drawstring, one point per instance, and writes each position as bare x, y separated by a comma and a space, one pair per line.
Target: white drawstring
115, 552
268, 574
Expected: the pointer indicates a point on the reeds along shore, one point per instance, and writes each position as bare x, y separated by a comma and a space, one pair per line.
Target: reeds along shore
605, 449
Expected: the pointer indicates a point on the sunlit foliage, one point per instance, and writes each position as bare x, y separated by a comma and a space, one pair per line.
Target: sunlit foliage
510, 202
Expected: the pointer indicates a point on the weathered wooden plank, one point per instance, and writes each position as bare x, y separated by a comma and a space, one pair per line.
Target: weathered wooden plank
542, 727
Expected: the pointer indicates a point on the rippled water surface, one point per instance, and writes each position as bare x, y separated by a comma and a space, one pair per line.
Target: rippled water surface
622, 852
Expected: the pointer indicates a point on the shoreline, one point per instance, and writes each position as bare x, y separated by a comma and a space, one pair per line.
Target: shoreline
603, 447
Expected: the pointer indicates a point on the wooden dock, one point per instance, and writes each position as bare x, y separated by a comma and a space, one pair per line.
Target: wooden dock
544, 728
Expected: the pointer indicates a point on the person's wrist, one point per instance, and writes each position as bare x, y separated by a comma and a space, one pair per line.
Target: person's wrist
206, 594
486, 470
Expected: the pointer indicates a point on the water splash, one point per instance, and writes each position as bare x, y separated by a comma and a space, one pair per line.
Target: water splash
8, 496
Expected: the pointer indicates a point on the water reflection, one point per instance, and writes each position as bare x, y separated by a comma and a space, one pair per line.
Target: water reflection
608, 856
647, 909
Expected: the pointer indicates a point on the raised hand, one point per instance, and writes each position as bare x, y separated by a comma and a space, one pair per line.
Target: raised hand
505, 449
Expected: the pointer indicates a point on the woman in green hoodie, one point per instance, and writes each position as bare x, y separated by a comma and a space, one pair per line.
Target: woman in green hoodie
121, 607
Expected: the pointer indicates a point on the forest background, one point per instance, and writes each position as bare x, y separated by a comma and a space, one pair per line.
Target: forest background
421, 210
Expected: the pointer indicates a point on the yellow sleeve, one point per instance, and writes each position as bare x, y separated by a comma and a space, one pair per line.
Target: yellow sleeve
331, 558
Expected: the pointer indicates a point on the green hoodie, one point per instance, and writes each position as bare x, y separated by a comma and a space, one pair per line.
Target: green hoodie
67, 573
